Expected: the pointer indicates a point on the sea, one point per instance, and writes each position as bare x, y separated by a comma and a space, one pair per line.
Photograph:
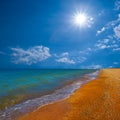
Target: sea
24, 90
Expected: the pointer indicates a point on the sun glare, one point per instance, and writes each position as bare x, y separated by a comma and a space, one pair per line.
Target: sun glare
80, 19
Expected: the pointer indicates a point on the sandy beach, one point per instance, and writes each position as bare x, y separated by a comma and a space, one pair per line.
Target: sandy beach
97, 100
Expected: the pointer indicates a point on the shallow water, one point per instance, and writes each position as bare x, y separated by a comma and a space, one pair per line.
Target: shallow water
23, 90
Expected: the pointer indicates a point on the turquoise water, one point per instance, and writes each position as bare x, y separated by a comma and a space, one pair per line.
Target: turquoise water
35, 81
18, 86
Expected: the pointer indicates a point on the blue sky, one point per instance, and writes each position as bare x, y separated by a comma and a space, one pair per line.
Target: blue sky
42, 34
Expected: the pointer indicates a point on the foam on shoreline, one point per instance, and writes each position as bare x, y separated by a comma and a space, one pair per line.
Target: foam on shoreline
60, 94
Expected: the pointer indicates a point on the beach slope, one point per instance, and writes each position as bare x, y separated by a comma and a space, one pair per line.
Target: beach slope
97, 100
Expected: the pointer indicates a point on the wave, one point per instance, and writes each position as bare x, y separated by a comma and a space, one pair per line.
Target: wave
20, 109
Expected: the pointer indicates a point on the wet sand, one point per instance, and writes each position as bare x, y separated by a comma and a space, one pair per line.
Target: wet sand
97, 100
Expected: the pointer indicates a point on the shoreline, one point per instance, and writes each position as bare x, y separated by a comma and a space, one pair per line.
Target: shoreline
58, 95
79, 82
95, 100
25, 92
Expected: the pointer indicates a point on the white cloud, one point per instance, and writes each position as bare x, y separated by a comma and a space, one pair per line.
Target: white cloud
81, 59
90, 22
64, 54
96, 66
100, 46
112, 40
116, 49
93, 66
82, 55
100, 31
101, 13
117, 31
89, 49
107, 44
65, 60
104, 46
106, 41
115, 63
110, 67
86, 51
117, 5
30, 56
109, 25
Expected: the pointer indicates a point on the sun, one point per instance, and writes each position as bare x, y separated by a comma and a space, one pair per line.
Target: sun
80, 19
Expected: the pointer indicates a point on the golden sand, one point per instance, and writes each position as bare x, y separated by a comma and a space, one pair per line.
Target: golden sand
97, 100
